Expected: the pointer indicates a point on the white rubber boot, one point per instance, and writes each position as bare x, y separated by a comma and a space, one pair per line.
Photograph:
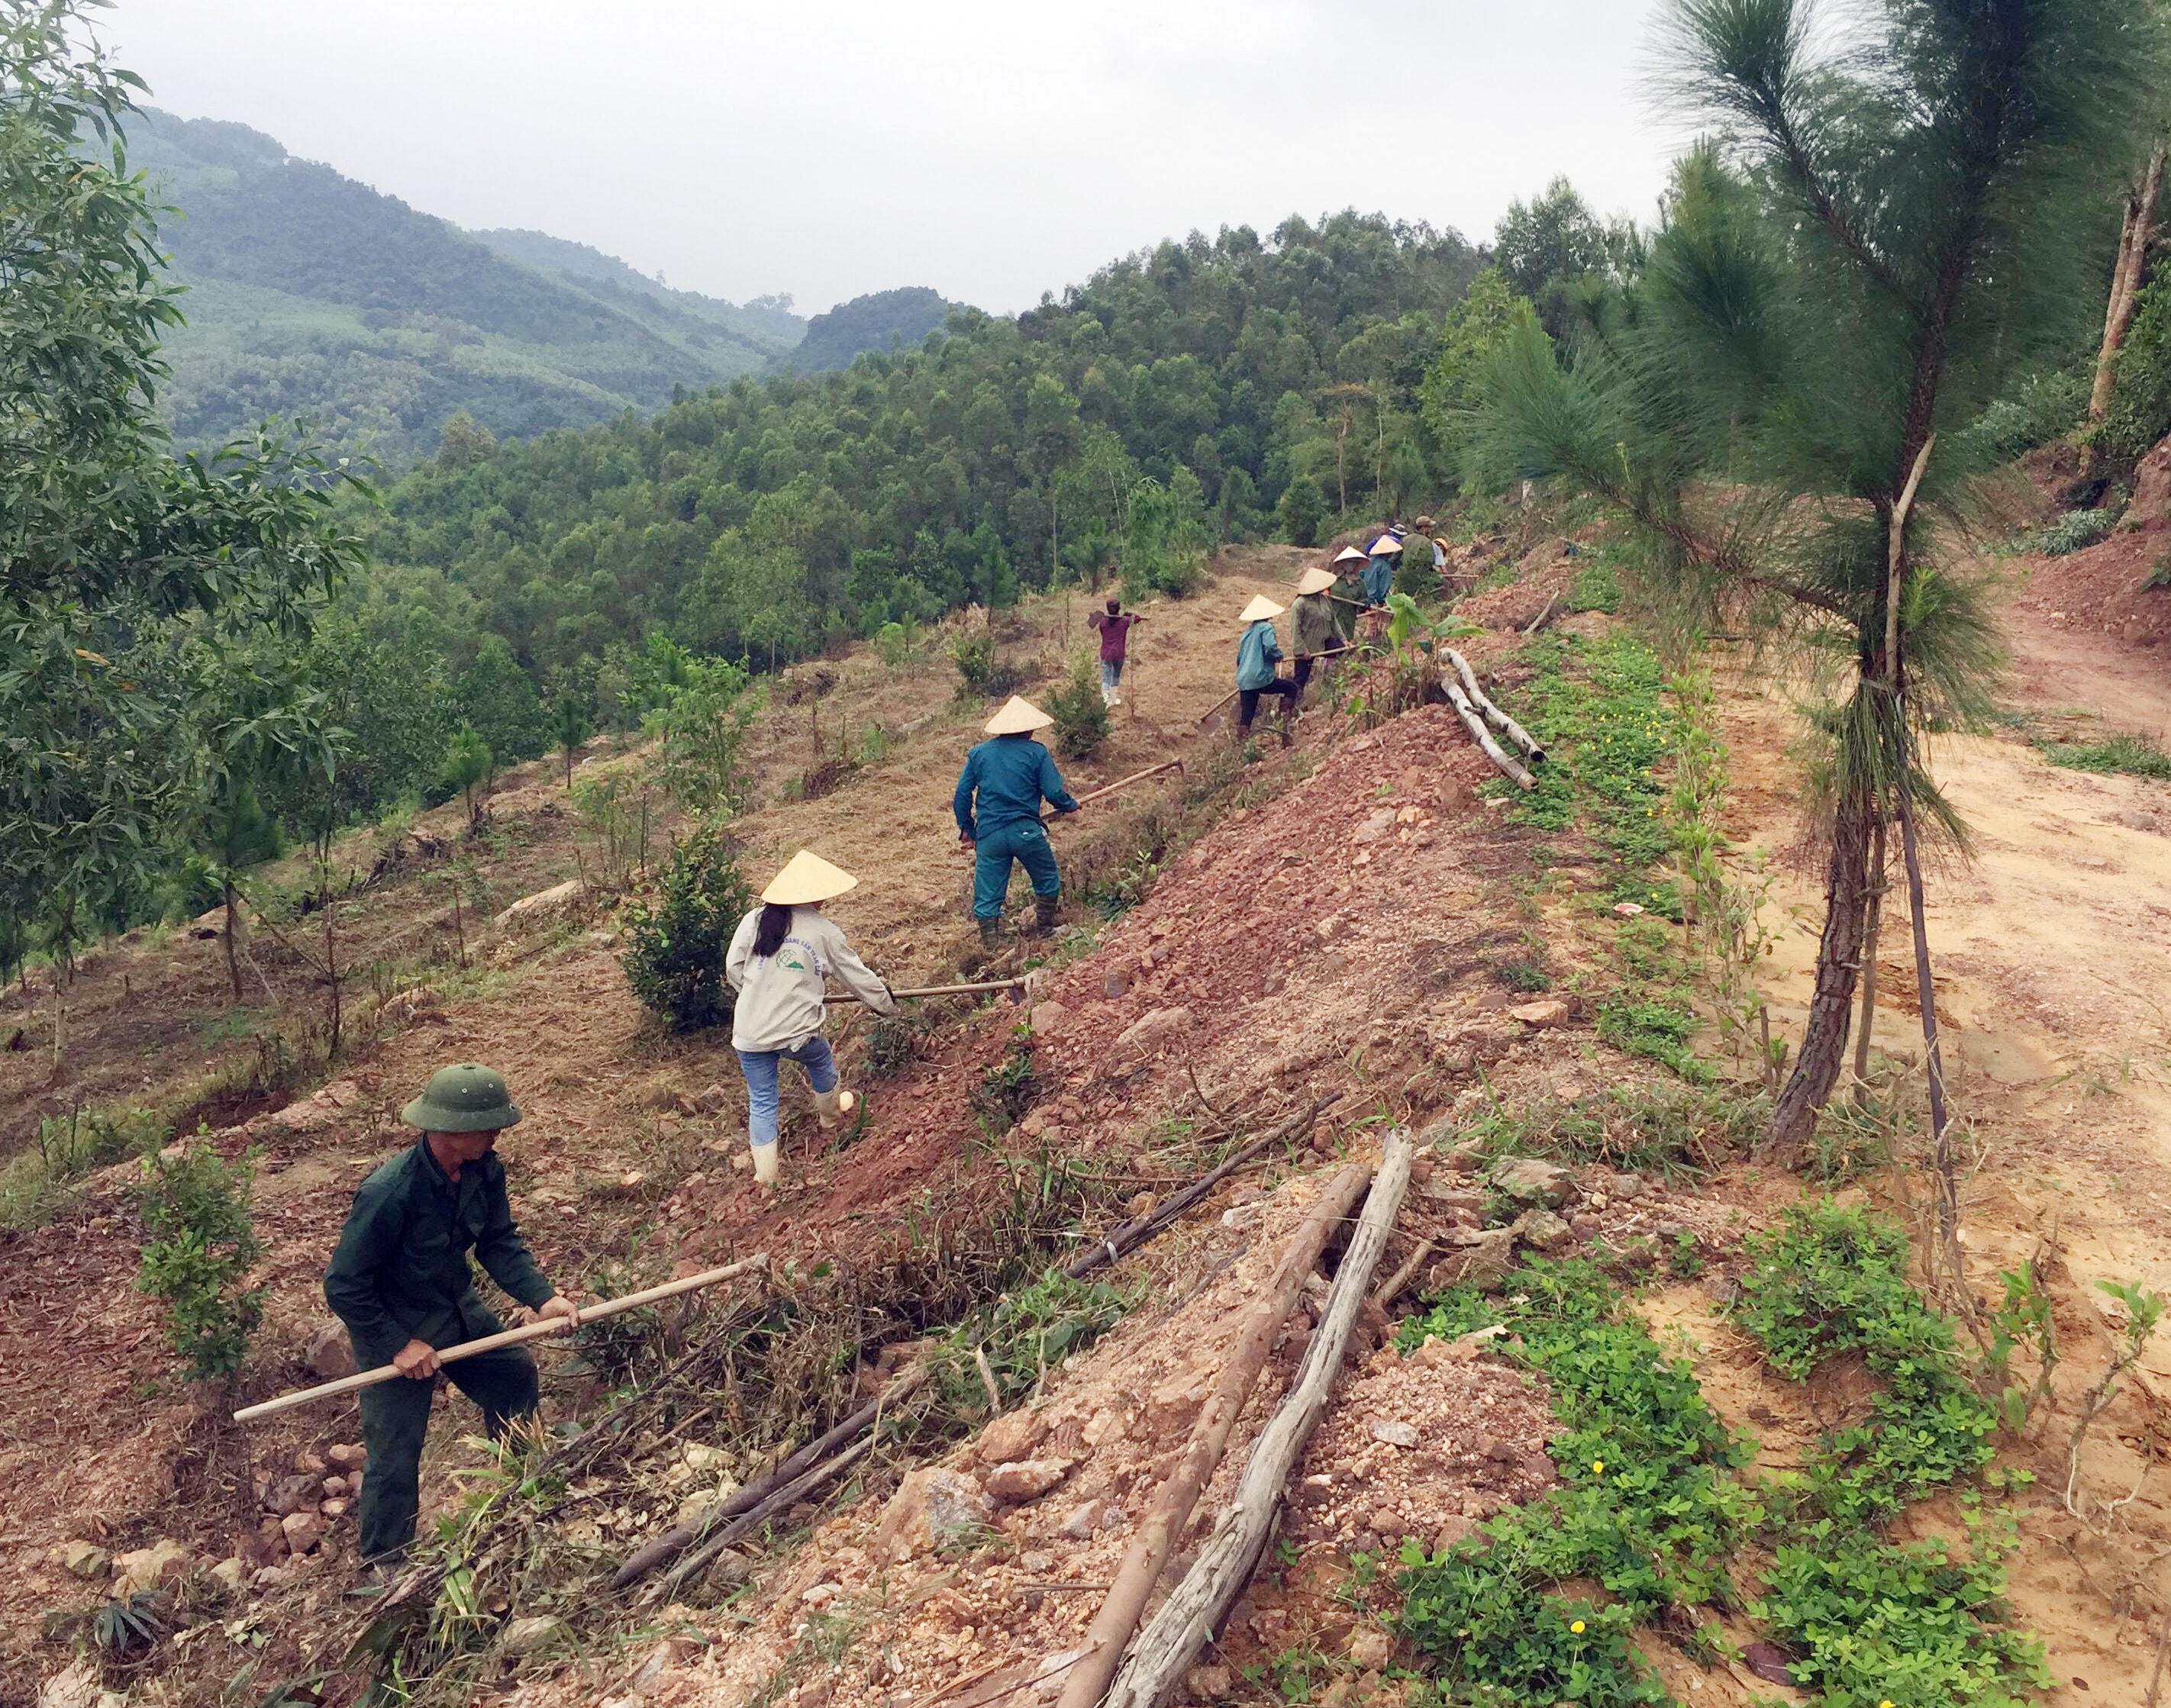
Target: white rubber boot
764, 1162
834, 1106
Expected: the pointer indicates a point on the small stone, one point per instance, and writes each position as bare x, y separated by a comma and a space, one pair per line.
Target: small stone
1529, 1180
532, 1633
1024, 1480
1387, 1523
291, 1494
270, 1576
1012, 1436
1395, 1433
1115, 984
334, 1509
1141, 1206
1078, 1523
1208, 1684
230, 1574
1049, 1019
303, 1530
309, 1464
1036, 1562
1451, 1532
149, 1568
1371, 1646
329, 1352
1543, 1229
1585, 1228
956, 1507
820, 1595
1501, 1452
335, 1485
1484, 1263
712, 1102
1156, 1027
1551, 1012
85, 1558
348, 1458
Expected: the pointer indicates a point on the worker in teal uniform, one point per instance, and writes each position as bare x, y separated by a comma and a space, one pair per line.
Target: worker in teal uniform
997, 804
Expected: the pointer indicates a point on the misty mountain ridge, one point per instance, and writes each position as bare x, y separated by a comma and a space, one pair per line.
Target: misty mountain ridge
315, 297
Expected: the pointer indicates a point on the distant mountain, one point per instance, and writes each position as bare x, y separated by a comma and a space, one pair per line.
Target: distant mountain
314, 296
868, 323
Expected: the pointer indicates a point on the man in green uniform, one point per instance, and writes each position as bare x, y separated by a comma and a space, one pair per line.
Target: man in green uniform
1318, 622
400, 1282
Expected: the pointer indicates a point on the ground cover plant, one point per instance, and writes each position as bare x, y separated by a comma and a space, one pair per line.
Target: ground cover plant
2134, 753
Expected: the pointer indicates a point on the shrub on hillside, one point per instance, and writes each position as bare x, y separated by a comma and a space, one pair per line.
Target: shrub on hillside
1081, 716
1302, 512
979, 671
674, 956
200, 1249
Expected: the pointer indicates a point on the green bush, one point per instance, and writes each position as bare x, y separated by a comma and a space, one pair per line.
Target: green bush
1081, 716
674, 956
2063, 535
2140, 401
979, 670
1302, 512
197, 1256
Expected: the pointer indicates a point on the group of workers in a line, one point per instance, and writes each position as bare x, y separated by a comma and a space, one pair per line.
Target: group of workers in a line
400, 1278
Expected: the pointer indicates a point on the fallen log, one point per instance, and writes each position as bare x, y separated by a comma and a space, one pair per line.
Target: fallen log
508, 1337
1171, 1640
1499, 720
1140, 1229
1155, 1536
1506, 767
659, 1550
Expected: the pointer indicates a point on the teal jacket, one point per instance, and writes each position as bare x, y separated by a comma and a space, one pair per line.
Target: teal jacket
1005, 779
1378, 579
1258, 653
400, 1271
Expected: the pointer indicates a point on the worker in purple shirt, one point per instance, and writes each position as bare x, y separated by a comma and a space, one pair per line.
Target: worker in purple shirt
1115, 626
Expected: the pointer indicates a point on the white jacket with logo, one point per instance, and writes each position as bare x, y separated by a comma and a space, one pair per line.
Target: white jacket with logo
779, 995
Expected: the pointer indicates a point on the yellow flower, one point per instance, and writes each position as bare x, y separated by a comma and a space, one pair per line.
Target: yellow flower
1578, 1629
1597, 1467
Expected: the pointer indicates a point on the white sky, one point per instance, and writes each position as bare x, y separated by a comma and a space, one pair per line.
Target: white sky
829, 148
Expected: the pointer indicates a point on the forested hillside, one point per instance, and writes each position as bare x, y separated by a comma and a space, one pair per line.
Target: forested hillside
312, 296
875, 321
1197, 391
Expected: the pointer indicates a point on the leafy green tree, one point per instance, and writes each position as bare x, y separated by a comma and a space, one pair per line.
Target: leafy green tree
1897, 221
1080, 715
1406, 477
499, 699
674, 954
1302, 512
463, 441
197, 1257
569, 728
1474, 332
700, 729
1553, 251
467, 766
114, 557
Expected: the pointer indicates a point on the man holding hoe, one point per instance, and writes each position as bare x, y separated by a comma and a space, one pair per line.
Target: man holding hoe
400, 1282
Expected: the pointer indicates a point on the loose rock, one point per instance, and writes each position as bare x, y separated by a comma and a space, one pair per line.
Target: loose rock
532, 1633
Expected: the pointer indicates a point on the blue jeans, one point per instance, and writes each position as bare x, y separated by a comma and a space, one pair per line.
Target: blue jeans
1026, 842
760, 1067
1111, 673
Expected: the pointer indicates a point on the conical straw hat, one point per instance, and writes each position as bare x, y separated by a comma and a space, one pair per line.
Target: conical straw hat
1018, 717
1316, 581
1261, 607
808, 877
1386, 542
1349, 555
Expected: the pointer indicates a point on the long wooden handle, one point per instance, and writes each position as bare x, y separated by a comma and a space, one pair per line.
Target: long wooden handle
1122, 783
935, 990
508, 1337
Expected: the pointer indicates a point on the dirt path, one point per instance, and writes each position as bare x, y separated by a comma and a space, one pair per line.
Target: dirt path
2052, 951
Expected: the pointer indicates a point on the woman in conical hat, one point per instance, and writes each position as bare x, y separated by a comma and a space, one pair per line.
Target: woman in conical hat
1258, 650
997, 806
1378, 574
1316, 622
780, 957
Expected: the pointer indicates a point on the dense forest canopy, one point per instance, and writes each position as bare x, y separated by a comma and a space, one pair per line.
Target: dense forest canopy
881, 321
1235, 385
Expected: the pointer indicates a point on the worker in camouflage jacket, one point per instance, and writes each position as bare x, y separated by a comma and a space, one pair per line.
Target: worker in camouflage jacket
1318, 622
399, 1281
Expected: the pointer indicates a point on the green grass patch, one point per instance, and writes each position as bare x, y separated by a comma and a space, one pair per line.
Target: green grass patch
1658, 1024
1654, 1503
2135, 754
1594, 588
1650, 1507
1600, 708
1663, 1127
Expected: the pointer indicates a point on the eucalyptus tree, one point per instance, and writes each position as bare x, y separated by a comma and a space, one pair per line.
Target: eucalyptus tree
116, 561
1897, 216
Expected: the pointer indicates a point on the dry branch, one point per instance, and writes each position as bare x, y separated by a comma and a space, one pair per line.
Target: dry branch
1506, 767
657, 1550
1156, 1534
1499, 720
1138, 1229
1171, 1641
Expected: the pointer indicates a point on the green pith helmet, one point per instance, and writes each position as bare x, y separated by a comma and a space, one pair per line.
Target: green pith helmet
465, 1098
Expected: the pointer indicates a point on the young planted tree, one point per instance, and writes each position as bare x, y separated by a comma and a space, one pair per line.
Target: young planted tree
1897, 220
467, 764
569, 728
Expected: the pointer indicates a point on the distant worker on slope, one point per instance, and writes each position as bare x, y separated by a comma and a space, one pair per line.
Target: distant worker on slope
780, 957
1379, 577
1316, 623
400, 1282
1258, 650
997, 805
1115, 626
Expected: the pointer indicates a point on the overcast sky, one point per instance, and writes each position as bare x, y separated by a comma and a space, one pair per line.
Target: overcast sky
829, 148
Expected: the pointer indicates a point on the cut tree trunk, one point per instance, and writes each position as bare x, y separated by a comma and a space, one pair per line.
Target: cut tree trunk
1823, 1054
2124, 288
1877, 888
1169, 1643
233, 931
